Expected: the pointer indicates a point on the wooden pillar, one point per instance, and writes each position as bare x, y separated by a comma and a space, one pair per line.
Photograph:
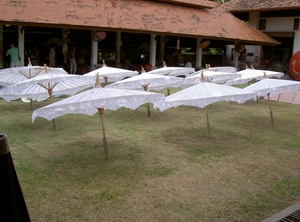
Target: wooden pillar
152, 50
198, 54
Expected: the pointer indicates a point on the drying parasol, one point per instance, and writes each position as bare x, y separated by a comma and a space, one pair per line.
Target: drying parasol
253, 74
211, 76
109, 74
147, 82
96, 100
230, 69
15, 75
204, 94
272, 87
44, 86
172, 71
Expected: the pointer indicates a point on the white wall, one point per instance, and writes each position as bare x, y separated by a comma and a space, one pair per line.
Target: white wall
280, 24
253, 54
296, 42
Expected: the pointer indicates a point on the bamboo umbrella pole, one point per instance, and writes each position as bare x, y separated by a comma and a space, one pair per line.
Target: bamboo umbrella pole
145, 87
207, 122
101, 112
271, 112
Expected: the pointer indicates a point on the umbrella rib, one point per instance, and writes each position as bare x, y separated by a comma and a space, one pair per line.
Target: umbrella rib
41, 85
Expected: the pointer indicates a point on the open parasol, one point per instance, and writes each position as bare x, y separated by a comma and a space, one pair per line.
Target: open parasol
227, 69
44, 86
272, 87
253, 74
109, 74
172, 71
204, 94
15, 75
96, 100
147, 82
211, 76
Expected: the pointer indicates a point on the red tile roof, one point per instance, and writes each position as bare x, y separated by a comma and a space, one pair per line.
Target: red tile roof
142, 16
260, 5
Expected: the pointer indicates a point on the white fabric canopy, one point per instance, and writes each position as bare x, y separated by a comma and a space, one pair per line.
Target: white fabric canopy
152, 82
273, 86
43, 86
211, 76
89, 101
111, 74
173, 71
227, 69
253, 74
206, 93
15, 75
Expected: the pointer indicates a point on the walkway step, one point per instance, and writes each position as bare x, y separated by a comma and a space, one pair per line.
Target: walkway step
287, 97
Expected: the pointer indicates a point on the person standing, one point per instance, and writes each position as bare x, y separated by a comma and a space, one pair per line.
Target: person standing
188, 64
51, 56
73, 63
14, 56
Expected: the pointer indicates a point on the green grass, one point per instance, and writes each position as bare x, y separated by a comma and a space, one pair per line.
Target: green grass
161, 168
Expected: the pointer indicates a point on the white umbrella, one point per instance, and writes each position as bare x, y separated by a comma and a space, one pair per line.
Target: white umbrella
44, 86
229, 69
97, 100
272, 87
146, 81
253, 74
172, 71
109, 74
204, 94
211, 76
15, 75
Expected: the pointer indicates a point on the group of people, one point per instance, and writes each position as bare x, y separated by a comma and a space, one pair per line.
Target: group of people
15, 59
13, 52
71, 57
178, 60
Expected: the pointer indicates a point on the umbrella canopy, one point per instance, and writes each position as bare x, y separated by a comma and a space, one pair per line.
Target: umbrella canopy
44, 86
272, 87
97, 100
229, 69
109, 74
253, 74
211, 76
15, 75
12, 204
173, 71
204, 94
146, 81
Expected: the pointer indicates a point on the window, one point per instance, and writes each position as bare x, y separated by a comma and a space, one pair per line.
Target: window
296, 24
262, 24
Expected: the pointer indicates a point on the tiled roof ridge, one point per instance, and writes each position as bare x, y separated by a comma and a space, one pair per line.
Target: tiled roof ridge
260, 5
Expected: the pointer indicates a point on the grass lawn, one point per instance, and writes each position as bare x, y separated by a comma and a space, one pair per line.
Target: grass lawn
162, 168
